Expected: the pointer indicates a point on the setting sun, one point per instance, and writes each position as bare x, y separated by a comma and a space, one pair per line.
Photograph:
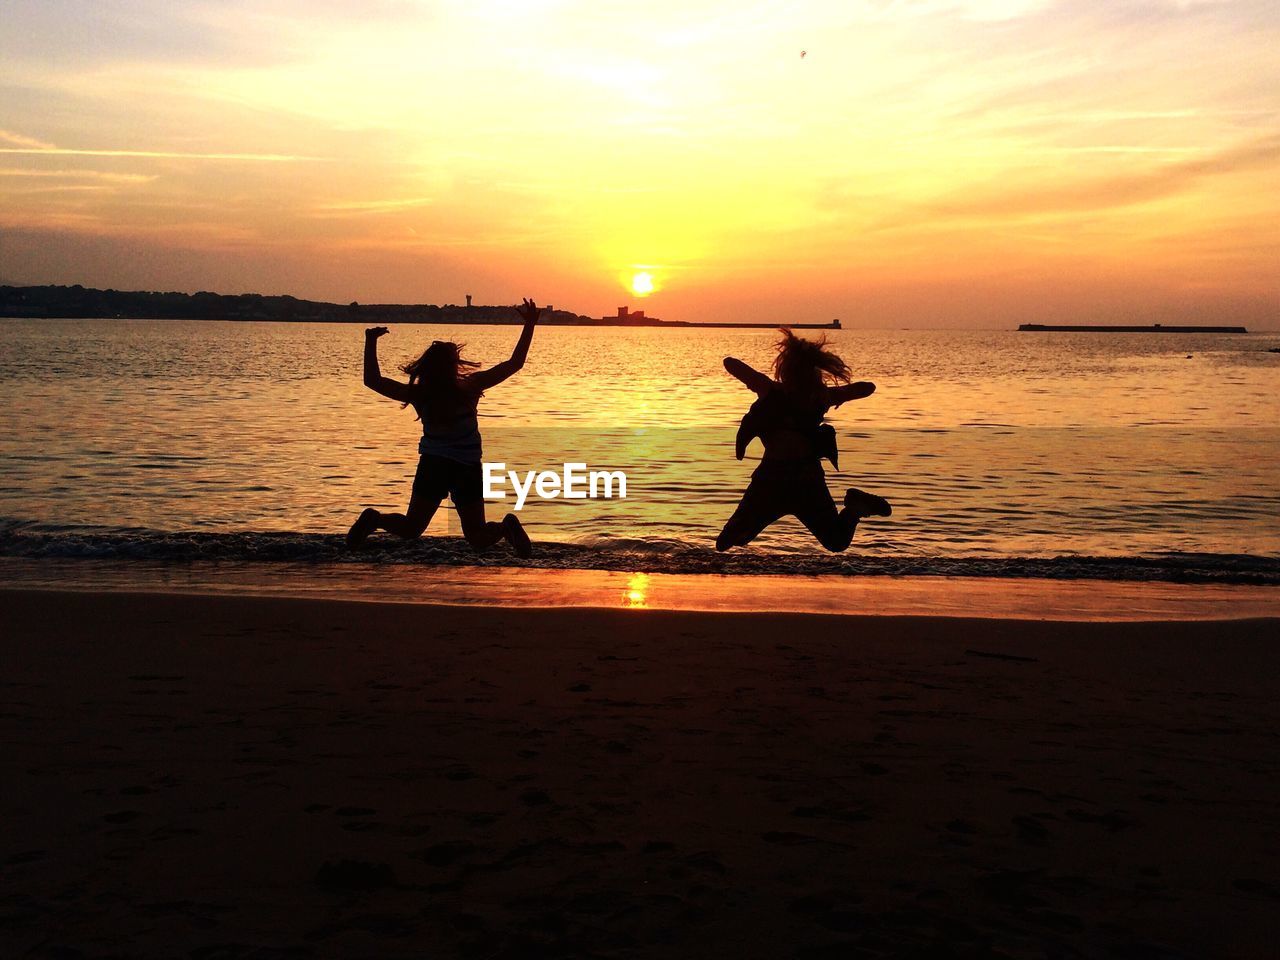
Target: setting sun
642, 284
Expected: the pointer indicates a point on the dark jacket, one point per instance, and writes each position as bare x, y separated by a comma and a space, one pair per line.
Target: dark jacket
775, 411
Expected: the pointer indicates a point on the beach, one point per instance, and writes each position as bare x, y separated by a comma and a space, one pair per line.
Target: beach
230, 776
555, 480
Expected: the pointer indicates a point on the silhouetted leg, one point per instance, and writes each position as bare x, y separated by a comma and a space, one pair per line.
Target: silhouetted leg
757, 510
480, 534
413, 521
817, 511
833, 528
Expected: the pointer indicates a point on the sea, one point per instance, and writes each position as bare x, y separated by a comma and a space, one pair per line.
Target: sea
1004, 454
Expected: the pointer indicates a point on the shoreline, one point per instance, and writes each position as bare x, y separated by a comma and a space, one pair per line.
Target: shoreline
241, 777
23, 542
995, 598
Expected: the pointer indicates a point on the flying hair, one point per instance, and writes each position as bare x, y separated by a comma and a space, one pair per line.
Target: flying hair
805, 367
436, 378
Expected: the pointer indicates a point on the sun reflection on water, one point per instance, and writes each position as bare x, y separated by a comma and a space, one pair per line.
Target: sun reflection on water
636, 595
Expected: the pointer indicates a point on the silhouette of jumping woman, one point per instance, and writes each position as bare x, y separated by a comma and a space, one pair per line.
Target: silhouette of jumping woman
444, 393
808, 379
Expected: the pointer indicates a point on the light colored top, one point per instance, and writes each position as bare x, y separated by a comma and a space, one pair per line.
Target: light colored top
457, 439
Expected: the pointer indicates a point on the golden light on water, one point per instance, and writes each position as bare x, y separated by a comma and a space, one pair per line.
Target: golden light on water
636, 595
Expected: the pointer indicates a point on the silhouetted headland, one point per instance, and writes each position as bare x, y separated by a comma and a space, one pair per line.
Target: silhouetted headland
1124, 328
80, 303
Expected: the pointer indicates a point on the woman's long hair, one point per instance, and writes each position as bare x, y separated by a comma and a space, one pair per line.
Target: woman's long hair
435, 380
804, 367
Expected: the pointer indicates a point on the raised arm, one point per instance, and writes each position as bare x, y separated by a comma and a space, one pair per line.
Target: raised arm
850, 391
753, 379
373, 378
485, 379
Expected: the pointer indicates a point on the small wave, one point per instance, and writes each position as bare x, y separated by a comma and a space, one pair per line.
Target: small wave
654, 546
22, 540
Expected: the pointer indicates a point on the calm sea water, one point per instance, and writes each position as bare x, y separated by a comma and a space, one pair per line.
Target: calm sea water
124, 436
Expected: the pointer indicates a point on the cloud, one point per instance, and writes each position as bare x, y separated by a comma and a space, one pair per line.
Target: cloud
65, 188
80, 175
161, 154
980, 10
66, 35
1086, 195
989, 10
29, 143
372, 206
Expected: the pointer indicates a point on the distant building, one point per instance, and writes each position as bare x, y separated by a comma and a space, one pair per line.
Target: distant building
627, 315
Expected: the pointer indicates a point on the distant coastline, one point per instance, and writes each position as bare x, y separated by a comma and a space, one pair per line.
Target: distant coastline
85, 303
1124, 328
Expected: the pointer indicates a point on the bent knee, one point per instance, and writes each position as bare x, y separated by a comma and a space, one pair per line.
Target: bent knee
415, 527
836, 544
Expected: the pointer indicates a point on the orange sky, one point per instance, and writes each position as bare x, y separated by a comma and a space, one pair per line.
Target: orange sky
925, 162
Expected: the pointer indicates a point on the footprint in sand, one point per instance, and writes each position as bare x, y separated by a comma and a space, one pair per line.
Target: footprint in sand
1031, 831
446, 853
787, 838
345, 875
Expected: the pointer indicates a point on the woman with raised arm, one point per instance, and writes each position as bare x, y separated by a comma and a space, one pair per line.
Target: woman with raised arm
444, 392
808, 380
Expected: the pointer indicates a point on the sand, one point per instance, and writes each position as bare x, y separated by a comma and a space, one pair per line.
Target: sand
223, 777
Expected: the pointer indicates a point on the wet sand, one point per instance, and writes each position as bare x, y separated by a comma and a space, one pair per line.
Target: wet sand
226, 777
998, 598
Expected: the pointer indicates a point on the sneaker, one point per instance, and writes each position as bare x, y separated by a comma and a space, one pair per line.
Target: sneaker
516, 536
866, 504
365, 524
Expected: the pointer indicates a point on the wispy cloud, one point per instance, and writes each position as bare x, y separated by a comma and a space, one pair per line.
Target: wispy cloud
986, 10
80, 175
163, 154
30, 143
65, 188
1125, 149
1089, 195
372, 206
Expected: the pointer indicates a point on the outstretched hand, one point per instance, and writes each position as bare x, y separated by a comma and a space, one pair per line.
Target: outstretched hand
373, 333
529, 311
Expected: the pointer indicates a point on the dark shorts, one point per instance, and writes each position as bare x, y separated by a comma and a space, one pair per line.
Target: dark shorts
779, 488
438, 477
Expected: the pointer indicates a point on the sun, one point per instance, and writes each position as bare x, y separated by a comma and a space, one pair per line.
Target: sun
642, 284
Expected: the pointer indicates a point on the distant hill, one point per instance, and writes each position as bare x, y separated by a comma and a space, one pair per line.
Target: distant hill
79, 302
73, 303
